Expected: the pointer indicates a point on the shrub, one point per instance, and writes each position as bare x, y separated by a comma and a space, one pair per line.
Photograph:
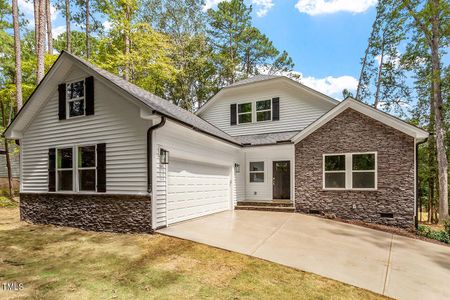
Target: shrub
439, 235
447, 226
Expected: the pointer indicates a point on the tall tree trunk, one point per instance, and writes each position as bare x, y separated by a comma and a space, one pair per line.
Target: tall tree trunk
363, 66
18, 54
380, 71
36, 29
438, 115
8, 160
49, 27
36, 24
126, 37
88, 45
68, 34
431, 165
432, 38
41, 42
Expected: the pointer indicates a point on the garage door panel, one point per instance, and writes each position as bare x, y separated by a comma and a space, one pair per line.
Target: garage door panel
196, 189
186, 213
193, 202
195, 196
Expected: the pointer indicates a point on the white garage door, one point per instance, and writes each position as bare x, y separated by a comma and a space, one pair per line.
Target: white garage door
196, 189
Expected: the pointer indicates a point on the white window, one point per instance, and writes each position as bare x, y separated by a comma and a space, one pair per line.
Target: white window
263, 110
346, 171
256, 171
75, 101
334, 171
64, 169
244, 113
87, 168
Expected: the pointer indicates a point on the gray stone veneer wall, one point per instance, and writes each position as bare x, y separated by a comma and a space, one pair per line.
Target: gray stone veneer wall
97, 212
352, 131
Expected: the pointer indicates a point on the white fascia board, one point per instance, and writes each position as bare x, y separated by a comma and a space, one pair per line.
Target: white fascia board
417, 133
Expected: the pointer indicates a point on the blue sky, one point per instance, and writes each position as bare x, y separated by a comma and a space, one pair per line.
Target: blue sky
325, 38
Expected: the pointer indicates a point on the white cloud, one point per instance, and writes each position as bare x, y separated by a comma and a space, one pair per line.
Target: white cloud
58, 30
331, 86
263, 7
107, 25
211, 3
320, 7
27, 8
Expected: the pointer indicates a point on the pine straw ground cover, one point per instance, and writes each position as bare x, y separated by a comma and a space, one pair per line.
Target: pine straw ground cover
64, 263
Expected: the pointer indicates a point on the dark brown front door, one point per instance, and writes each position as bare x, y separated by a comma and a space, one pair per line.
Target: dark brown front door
282, 179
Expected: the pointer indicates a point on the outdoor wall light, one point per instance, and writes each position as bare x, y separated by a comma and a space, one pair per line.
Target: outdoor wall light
163, 156
237, 168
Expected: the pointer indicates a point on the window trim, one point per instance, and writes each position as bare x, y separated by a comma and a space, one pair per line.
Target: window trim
250, 171
86, 168
75, 169
244, 113
63, 169
254, 112
263, 110
76, 99
349, 171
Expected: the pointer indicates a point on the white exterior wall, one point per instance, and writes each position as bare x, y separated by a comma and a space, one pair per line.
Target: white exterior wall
257, 191
184, 143
298, 108
116, 122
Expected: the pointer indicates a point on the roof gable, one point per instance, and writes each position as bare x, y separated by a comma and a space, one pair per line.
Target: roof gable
62, 67
261, 80
385, 118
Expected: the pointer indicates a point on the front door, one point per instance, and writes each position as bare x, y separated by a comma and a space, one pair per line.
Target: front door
282, 179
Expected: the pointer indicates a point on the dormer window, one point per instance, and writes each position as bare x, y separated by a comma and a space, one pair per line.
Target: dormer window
75, 99
245, 113
263, 110
254, 112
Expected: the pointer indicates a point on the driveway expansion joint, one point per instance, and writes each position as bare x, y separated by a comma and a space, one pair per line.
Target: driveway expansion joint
388, 265
269, 236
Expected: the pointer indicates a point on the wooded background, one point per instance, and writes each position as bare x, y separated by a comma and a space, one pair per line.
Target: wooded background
176, 50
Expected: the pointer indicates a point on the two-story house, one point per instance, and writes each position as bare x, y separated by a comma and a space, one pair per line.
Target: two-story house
100, 153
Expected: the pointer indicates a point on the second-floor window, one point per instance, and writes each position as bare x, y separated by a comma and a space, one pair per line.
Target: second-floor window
245, 113
263, 110
75, 99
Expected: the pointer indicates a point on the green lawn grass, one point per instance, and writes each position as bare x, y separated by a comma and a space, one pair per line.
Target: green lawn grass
64, 263
7, 202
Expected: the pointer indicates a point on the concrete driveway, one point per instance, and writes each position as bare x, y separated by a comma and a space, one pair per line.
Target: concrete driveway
387, 264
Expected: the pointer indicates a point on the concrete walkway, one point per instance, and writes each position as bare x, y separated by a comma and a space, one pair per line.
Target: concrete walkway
387, 264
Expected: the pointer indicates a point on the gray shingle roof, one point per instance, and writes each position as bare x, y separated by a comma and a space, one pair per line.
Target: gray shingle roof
266, 138
253, 79
158, 104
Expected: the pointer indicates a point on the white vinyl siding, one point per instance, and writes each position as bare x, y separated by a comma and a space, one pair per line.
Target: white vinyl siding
263, 191
298, 109
185, 144
116, 122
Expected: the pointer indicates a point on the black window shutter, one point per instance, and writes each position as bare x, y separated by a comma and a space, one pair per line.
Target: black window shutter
62, 101
101, 168
275, 109
89, 85
51, 170
233, 114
